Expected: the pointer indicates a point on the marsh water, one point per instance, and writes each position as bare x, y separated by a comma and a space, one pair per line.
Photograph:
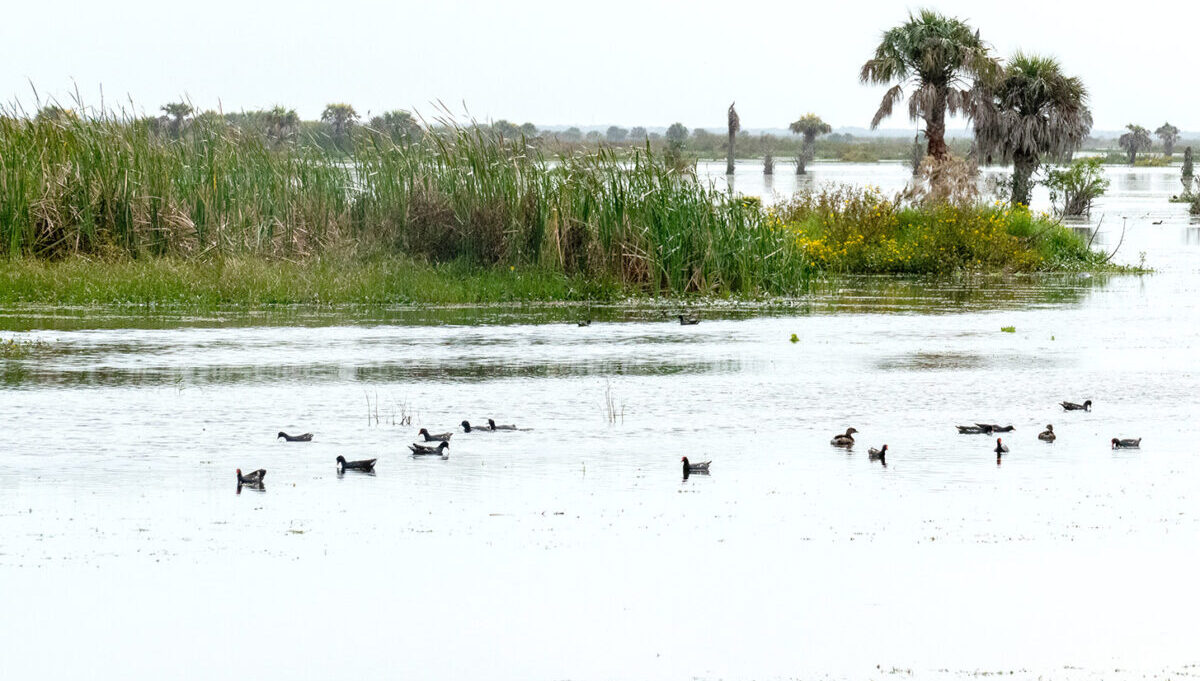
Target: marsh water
574, 548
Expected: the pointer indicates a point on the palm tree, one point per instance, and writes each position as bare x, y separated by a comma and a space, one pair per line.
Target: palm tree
1169, 135
735, 124
1028, 110
399, 126
937, 57
177, 113
810, 126
1137, 139
281, 124
340, 117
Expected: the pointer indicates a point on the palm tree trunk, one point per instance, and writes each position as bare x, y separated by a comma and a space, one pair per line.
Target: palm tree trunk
935, 127
729, 159
1023, 167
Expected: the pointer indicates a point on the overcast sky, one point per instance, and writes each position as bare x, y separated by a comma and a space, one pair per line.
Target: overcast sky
640, 62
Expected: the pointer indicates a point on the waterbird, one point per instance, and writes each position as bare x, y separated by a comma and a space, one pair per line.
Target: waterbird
367, 465
585, 322
974, 430
1127, 443
468, 428
438, 437
879, 455
251, 478
443, 449
1048, 434
689, 467
307, 437
845, 439
688, 320
1001, 448
996, 428
1071, 406
493, 426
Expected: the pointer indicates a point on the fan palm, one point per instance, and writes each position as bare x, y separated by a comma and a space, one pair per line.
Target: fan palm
937, 57
1029, 110
810, 126
1137, 139
1169, 135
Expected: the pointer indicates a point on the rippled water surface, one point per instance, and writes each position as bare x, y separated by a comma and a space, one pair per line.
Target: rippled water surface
574, 549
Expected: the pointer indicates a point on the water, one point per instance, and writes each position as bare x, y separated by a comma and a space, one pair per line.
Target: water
575, 549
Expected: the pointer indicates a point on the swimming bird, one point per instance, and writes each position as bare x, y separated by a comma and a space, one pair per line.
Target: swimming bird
1071, 406
844, 440
468, 428
251, 478
367, 465
1048, 434
443, 449
585, 322
996, 428
307, 437
438, 437
879, 455
688, 320
493, 426
974, 430
689, 467
1001, 448
1127, 443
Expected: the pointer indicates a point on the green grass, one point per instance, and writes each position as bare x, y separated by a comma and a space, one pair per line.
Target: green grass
256, 282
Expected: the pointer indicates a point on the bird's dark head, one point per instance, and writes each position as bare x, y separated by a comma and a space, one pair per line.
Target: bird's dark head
492, 424
239, 474
684, 459
1115, 442
466, 426
884, 450
1087, 405
851, 431
341, 459
281, 434
423, 431
444, 446
999, 441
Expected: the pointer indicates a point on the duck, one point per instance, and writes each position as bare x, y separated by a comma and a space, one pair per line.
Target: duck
493, 426
307, 437
1048, 434
442, 449
974, 430
996, 428
585, 322
688, 320
689, 467
845, 439
251, 478
367, 465
468, 428
879, 455
438, 437
1001, 448
1127, 443
1071, 406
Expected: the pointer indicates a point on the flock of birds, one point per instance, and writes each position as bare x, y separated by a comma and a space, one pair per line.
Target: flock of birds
846, 439
254, 479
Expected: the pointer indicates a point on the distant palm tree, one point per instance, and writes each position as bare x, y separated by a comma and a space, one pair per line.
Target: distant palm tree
1137, 139
340, 117
281, 124
1029, 110
810, 126
177, 114
1169, 135
937, 57
399, 126
735, 124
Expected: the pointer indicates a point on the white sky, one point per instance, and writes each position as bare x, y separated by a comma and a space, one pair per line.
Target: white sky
641, 62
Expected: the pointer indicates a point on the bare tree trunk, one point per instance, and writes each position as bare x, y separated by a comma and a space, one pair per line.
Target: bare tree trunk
1024, 166
935, 127
729, 159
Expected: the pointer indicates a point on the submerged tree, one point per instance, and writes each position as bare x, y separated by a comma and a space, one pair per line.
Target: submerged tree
810, 126
1137, 139
917, 154
735, 124
177, 115
1169, 135
1028, 111
937, 57
768, 162
340, 117
1074, 188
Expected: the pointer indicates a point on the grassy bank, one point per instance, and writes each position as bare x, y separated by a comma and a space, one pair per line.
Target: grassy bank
111, 210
